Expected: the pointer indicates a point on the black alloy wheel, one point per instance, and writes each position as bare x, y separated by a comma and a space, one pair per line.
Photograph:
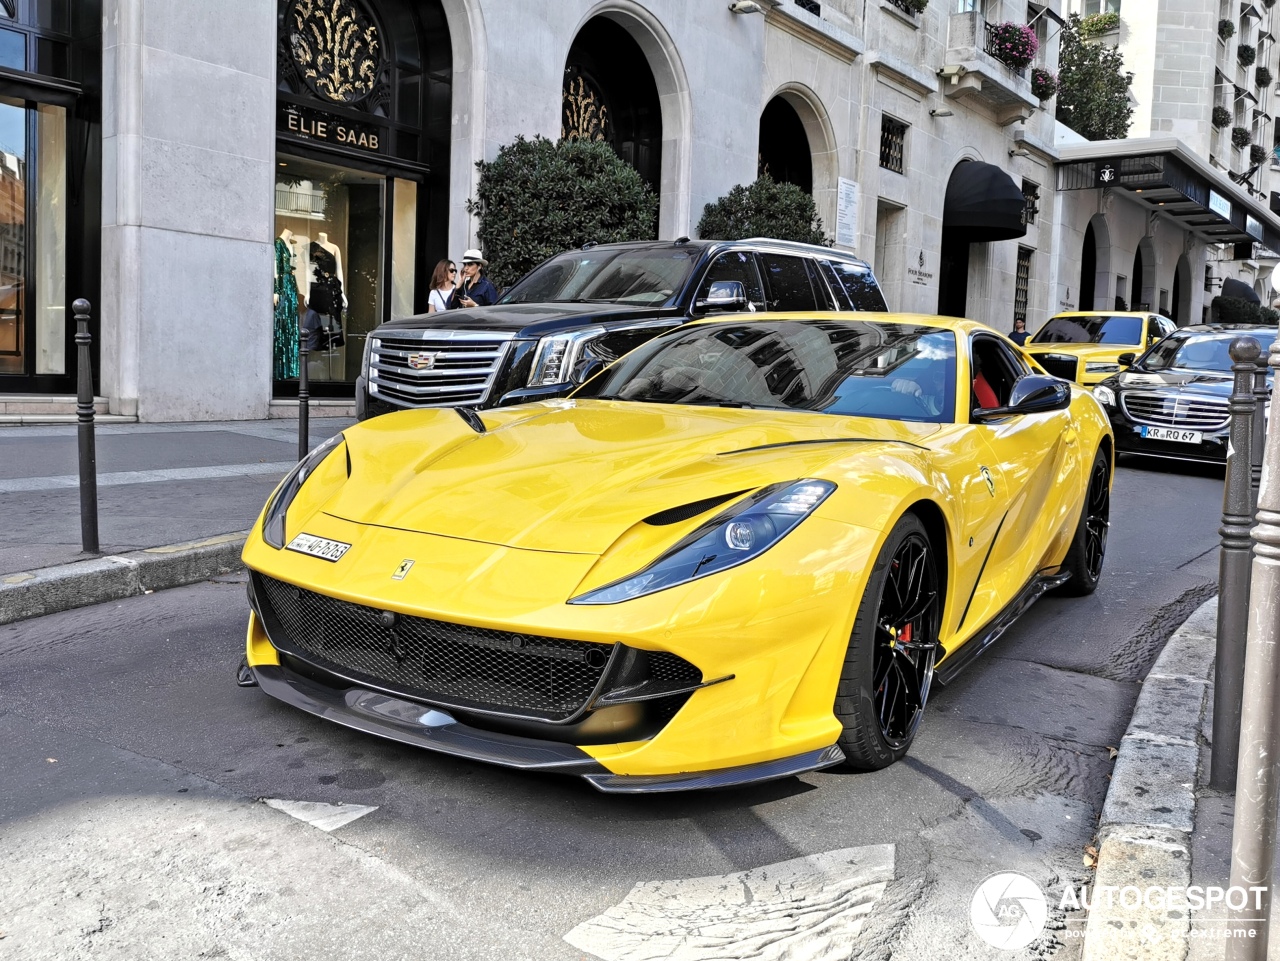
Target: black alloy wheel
889, 665
1089, 546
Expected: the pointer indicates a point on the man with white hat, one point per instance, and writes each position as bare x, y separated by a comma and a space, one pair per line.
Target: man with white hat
474, 289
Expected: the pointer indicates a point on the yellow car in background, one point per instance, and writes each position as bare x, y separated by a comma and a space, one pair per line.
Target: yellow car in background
744, 551
1085, 345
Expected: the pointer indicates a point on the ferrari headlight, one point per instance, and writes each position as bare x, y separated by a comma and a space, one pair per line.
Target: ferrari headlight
1105, 396
558, 355
273, 521
732, 537
1101, 367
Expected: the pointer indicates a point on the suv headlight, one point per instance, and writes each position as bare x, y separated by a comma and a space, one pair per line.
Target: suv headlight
1105, 396
558, 355
371, 343
1102, 367
273, 521
734, 536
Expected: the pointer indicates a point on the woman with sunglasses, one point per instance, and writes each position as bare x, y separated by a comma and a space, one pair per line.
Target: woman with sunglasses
441, 286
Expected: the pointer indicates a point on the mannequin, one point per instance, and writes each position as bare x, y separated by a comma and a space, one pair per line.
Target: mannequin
284, 340
325, 292
300, 247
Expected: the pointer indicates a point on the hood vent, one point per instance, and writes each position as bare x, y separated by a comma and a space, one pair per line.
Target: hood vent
674, 515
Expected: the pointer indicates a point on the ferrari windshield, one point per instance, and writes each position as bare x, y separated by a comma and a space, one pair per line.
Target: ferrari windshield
1188, 351
1090, 330
648, 275
852, 368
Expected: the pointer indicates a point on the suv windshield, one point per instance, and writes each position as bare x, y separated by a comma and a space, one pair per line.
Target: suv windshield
650, 275
852, 368
1090, 330
1200, 351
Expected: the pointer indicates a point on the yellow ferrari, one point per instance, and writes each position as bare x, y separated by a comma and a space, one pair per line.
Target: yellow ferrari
745, 550
1086, 345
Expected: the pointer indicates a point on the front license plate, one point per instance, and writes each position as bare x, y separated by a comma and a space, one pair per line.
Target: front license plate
1173, 434
320, 547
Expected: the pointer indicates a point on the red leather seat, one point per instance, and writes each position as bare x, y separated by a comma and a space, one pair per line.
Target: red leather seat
982, 390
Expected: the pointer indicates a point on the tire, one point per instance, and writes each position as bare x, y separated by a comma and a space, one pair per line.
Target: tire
1089, 545
886, 679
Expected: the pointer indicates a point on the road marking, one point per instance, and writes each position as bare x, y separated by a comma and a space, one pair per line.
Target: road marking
22, 485
326, 817
808, 907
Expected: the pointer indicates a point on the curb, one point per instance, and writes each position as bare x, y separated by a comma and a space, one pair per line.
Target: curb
1147, 819
111, 577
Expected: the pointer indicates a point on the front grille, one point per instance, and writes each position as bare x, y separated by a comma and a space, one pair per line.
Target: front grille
436, 368
1189, 411
1060, 365
500, 672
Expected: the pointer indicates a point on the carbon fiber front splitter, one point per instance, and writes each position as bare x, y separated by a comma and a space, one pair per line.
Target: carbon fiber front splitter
420, 725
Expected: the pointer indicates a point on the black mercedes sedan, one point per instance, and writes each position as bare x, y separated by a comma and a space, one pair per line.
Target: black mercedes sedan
1172, 401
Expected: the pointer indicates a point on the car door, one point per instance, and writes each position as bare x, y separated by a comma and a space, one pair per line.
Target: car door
1026, 458
789, 284
739, 265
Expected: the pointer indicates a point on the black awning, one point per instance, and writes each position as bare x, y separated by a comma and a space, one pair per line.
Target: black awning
983, 203
1239, 290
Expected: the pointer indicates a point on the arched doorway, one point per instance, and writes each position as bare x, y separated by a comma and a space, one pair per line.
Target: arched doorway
1182, 305
610, 94
982, 205
784, 152
1088, 268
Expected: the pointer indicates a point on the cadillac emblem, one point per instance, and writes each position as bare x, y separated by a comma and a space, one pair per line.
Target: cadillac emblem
423, 360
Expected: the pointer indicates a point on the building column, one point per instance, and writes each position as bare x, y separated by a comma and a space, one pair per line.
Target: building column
188, 134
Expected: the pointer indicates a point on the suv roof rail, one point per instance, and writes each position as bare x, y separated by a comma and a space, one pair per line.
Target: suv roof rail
589, 244
682, 240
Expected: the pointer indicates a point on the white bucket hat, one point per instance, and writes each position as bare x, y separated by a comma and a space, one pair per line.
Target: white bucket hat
473, 256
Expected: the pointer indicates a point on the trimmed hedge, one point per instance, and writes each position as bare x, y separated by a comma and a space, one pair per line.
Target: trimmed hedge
766, 208
1230, 310
538, 198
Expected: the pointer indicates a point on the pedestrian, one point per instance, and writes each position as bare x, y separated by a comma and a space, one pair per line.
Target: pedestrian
1019, 335
311, 325
442, 281
474, 289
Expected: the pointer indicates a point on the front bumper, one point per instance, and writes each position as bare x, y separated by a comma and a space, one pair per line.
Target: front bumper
409, 722
1212, 448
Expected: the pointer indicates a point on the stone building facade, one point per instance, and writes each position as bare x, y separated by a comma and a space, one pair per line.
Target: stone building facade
220, 144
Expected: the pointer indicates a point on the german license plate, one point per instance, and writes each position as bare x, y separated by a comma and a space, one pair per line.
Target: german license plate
1173, 433
320, 547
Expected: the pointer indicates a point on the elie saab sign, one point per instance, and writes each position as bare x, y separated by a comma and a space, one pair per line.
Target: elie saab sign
307, 124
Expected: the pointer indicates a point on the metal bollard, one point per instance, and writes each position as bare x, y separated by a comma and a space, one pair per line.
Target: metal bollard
1253, 841
1233, 571
1261, 395
304, 399
84, 421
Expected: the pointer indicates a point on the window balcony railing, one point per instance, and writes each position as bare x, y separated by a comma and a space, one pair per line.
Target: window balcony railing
976, 66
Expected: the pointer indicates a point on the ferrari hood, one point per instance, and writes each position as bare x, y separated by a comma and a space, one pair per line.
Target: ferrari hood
570, 476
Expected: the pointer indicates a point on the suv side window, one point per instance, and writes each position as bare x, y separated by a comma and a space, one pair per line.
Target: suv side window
855, 286
789, 286
737, 265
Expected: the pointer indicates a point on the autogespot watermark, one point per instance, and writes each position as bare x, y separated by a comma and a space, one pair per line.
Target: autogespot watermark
1010, 910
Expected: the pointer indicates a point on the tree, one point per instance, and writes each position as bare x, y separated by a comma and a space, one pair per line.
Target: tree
538, 198
1093, 86
764, 209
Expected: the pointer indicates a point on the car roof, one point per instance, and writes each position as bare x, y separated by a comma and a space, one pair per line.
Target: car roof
1108, 313
752, 243
959, 325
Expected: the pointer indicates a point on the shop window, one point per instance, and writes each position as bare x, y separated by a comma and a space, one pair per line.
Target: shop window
329, 256
893, 138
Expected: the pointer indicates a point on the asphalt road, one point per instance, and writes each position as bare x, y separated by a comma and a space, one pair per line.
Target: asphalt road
132, 823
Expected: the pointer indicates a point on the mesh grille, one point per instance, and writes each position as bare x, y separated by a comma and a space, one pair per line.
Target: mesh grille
436, 368
524, 675
1172, 410
1060, 365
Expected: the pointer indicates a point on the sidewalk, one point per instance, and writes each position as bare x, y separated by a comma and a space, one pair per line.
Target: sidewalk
174, 504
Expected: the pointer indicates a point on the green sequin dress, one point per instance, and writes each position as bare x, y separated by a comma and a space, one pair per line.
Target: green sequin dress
284, 350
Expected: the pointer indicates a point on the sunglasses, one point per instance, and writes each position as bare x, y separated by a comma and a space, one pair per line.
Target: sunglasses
453, 270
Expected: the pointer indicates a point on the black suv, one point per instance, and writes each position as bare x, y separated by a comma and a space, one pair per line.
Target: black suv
583, 309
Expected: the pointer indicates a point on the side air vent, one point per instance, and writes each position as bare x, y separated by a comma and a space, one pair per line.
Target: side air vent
674, 515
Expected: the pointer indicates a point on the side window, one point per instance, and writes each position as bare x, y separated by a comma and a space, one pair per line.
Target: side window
994, 369
789, 287
827, 299
739, 265
860, 290
1167, 326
